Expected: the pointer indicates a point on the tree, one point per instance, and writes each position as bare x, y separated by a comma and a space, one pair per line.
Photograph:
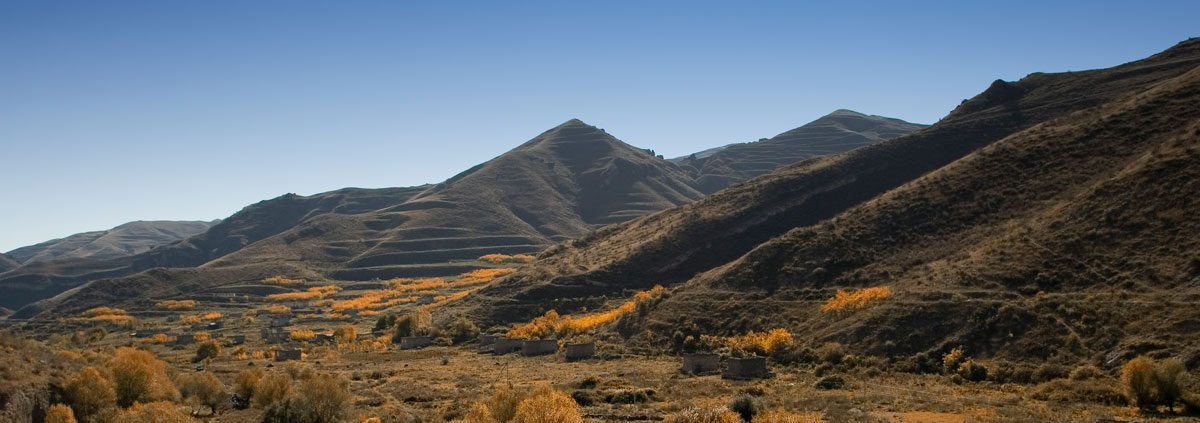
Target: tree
89, 392
345, 334
272, 388
205, 350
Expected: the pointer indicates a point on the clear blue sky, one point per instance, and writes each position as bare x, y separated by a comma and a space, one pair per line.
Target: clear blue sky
112, 111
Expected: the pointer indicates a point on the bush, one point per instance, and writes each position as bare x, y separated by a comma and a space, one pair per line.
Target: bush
548, 406
206, 350
271, 388
972, 371
704, 415
1140, 382
953, 359
345, 334
780, 415
139, 376
323, 398
245, 381
832, 353
1048, 372
831, 382
60, 413
1085, 372
89, 392
478, 413
504, 403
746, 406
1099, 391
155, 412
204, 387
463, 330
1167, 375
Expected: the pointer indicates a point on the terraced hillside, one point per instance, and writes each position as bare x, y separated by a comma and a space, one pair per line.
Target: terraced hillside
1063, 135
838, 132
43, 279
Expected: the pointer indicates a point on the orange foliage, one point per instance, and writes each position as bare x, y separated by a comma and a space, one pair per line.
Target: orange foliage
103, 311
211, 316
312, 293
280, 280
201, 336
495, 258
106, 314
857, 300
482, 275
277, 308
523, 258
176, 304
762, 343
302, 335
551, 323
159, 338
188, 319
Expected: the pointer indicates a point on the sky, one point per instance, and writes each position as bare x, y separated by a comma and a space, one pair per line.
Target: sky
114, 111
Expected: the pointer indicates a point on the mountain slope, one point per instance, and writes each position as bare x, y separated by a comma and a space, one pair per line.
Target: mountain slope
840, 131
675, 245
7, 263
124, 240
38, 280
1070, 240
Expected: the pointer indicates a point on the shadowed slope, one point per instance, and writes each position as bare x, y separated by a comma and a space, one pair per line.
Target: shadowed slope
7, 263
1070, 240
675, 245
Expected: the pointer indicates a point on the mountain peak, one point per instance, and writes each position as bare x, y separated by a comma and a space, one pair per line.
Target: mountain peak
846, 112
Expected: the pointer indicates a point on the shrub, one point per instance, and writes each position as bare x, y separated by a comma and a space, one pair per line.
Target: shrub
832, 353
1138, 376
271, 388
704, 415
548, 406
780, 415
952, 359
1049, 371
204, 387
301, 335
856, 299
345, 334
463, 330
205, 350
140, 376
1167, 375
504, 403
746, 406
478, 413
972, 371
771, 343
384, 322
1085, 372
60, 413
323, 398
245, 381
89, 392
176, 304
155, 412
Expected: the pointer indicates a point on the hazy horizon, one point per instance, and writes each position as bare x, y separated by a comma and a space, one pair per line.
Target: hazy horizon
172, 111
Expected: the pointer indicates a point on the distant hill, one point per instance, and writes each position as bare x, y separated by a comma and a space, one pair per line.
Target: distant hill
1045, 217
838, 132
124, 240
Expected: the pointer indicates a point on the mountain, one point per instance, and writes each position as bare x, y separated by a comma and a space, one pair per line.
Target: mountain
558, 185
840, 131
1050, 214
43, 279
124, 240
